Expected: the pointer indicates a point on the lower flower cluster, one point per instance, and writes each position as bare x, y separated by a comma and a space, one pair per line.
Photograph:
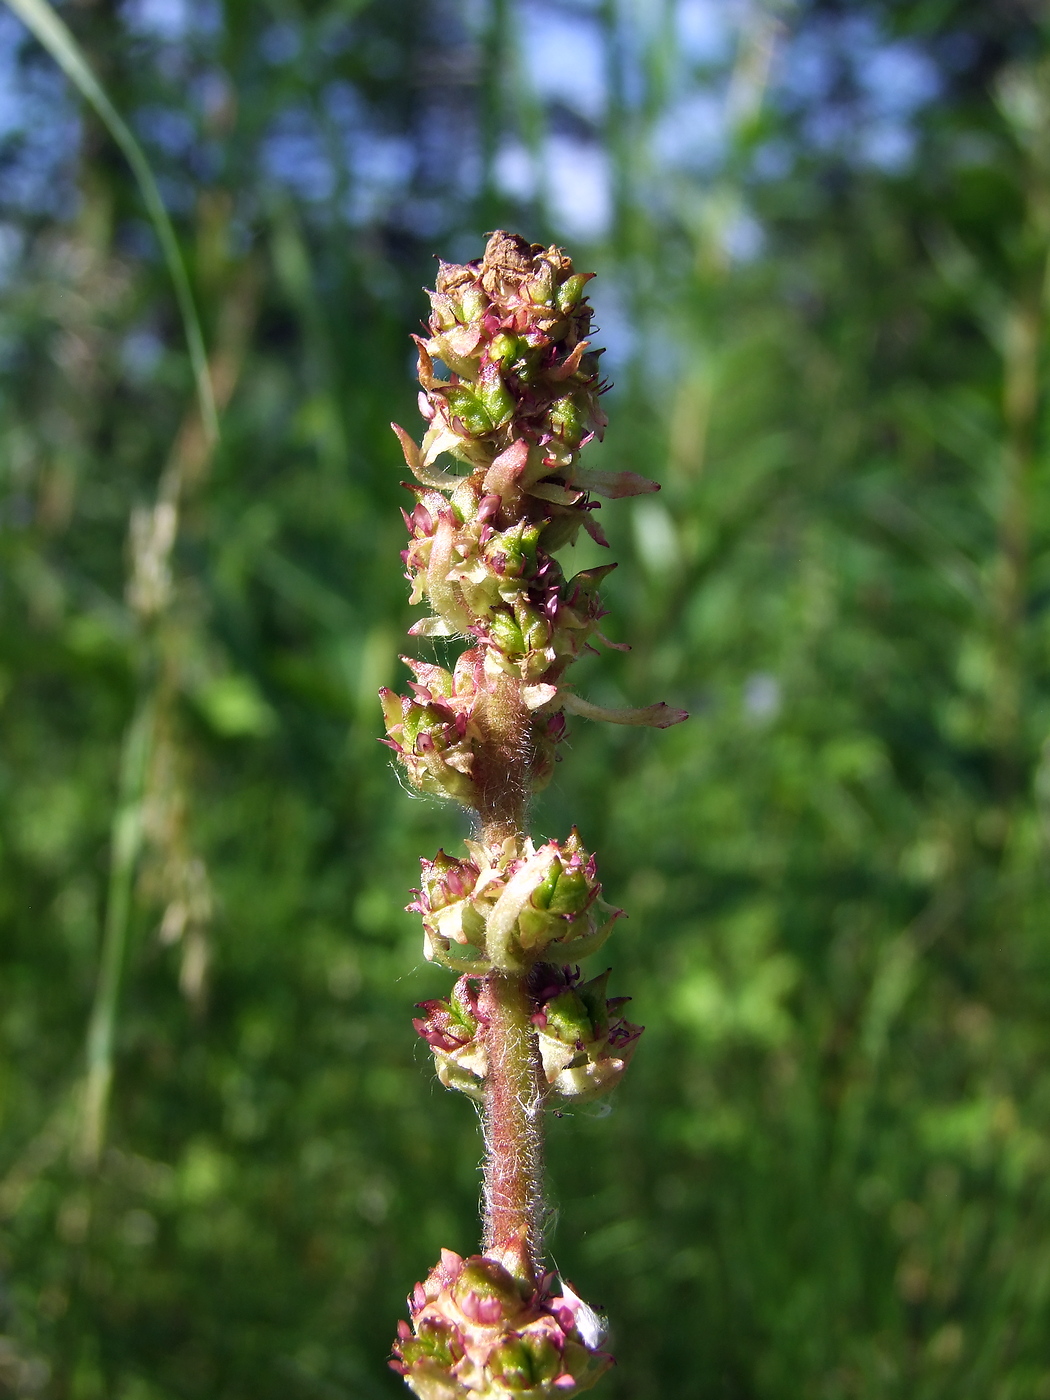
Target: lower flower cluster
513, 906
585, 1043
477, 1331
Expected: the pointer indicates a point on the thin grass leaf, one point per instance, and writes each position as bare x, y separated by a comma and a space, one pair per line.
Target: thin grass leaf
42, 21
125, 847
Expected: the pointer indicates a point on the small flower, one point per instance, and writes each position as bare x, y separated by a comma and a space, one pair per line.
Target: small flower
431, 731
468, 570
479, 1333
452, 918
450, 1027
585, 1043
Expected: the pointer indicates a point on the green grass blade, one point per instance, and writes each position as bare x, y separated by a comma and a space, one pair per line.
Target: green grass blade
50, 30
125, 848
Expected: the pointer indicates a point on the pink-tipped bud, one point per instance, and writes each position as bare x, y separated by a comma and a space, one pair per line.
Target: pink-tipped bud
432, 732
451, 1029
585, 1042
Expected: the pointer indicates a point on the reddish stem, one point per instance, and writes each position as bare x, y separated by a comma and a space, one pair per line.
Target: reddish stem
513, 1138
513, 1094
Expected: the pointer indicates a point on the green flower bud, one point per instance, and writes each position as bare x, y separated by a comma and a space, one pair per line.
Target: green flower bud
450, 1027
503, 347
506, 634
571, 290
453, 919
473, 305
569, 420
494, 396
466, 407
540, 286
512, 553
432, 732
528, 365
585, 1043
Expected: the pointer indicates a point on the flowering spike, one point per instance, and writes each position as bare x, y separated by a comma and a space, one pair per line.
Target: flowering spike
520, 1028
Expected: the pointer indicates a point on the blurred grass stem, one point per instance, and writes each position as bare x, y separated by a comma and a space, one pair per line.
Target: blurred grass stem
126, 846
46, 26
150, 595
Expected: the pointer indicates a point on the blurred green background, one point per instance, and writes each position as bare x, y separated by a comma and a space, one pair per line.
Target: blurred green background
821, 231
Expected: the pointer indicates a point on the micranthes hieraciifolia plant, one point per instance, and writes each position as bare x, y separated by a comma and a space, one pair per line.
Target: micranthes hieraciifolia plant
521, 1030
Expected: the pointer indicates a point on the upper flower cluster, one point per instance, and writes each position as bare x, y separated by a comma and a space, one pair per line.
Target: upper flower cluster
520, 400
512, 330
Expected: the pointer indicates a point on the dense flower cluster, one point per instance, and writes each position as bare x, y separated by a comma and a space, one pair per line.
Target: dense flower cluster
585, 1043
510, 390
512, 906
477, 1331
435, 734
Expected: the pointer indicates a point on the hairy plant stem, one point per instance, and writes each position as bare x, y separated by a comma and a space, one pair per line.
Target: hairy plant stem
513, 1099
503, 764
513, 1139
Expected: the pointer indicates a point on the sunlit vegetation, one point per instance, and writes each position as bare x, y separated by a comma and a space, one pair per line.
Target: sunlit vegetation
822, 233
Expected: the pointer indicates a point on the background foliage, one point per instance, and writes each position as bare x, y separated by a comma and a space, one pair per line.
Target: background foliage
822, 236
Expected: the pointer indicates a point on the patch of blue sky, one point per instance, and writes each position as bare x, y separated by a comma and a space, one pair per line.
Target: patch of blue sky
773, 160
563, 57
705, 30
343, 105
743, 237
899, 79
380, 171
887, 145
890, 82
171, 21
295, 155
614, 327
692, 133
40, 121
515, 170
280, 43
12, 111
168, 129
578, 187
141, 352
